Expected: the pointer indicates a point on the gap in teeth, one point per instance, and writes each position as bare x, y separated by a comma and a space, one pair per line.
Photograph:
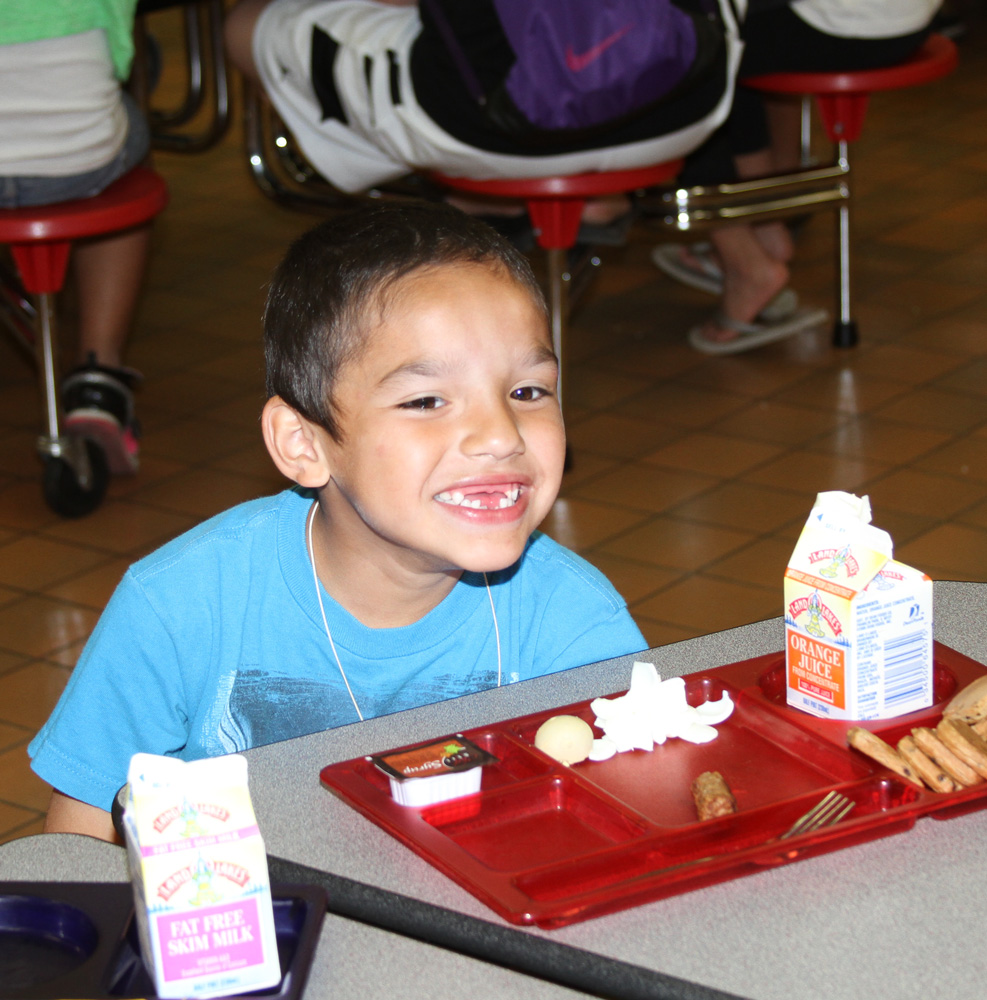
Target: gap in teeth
458, 499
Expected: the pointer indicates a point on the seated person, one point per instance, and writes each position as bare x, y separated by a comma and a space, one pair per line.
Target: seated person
371, 91
748, 264
413, 401
68, 130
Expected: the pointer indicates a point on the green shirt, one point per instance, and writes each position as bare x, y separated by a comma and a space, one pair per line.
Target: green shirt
34, 20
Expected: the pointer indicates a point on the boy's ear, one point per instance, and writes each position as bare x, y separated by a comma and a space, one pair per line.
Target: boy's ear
295, 444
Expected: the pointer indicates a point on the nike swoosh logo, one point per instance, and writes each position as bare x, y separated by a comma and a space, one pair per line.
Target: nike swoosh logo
577, 62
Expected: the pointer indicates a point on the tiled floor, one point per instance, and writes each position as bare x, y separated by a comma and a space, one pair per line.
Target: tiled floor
692, 476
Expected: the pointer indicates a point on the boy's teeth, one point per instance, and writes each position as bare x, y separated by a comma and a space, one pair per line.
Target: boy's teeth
457, 499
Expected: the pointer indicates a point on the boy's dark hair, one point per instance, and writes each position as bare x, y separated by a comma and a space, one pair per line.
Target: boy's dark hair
319, 304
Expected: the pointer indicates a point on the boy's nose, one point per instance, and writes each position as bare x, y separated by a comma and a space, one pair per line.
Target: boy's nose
493, 431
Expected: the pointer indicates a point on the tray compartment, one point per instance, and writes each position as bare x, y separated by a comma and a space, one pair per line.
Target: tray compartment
529, 826
128, 976
515, 763
95, 920
42, 939
764, 760
945, 683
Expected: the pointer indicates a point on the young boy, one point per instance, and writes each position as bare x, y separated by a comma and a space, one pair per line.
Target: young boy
413, 402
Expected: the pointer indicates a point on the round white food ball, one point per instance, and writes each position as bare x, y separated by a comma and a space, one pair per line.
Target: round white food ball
567, 738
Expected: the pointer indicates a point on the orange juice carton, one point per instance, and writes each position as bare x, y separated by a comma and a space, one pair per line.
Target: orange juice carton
858, 624
198, 866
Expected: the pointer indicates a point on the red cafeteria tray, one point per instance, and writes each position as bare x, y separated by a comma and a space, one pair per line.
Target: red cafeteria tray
546, 844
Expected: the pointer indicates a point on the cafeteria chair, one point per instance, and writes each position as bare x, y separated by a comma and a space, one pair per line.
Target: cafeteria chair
202, 116
555, 207
841, 99
282, 173
40, 238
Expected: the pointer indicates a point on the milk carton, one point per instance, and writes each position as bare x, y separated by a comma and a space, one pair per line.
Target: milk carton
199, 871
858, 624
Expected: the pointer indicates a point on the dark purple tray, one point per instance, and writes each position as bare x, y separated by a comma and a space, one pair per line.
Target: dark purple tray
78, 941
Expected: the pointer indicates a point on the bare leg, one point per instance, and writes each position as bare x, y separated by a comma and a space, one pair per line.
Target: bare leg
785, 124
238, 33
751, 278
109, 271
774, 237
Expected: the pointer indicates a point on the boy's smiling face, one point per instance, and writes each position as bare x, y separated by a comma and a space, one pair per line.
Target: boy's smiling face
453, 444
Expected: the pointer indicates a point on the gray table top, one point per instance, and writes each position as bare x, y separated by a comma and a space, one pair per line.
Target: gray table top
902, 916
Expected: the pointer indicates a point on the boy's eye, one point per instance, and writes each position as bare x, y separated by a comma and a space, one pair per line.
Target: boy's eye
423, 403
529, 393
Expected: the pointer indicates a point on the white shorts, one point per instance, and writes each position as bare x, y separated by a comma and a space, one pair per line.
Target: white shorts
383, 140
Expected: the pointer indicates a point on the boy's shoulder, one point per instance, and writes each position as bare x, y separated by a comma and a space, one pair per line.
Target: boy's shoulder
558, 567
258, 521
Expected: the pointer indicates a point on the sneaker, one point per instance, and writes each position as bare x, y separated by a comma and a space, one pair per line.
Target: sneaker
99, 405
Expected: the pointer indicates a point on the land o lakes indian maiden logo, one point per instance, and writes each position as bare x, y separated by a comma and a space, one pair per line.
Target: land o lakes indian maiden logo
817, 612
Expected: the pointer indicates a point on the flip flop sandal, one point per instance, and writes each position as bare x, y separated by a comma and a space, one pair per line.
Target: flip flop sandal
751, 335
707, 276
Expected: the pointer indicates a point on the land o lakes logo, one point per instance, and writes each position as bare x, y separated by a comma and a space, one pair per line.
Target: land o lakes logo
817, 612
834, 559
202, 874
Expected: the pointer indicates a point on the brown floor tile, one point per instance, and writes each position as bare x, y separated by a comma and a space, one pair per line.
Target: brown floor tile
713, 454
581, 524
642, 487
966, 458
682, 406
38, 626
950, 552
970, 377
921, 493
780, 423
812, 473
663, 634
675, 544
881, 440
122, 527
709, 605
28, 695
745, 506
92, 589
36, 563
841, 390
200, 493
614, 435
15, 821
19, 783
936, 409
761, 563
904, 364
634, 580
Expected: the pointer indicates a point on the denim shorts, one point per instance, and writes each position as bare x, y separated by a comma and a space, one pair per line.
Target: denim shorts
18, 192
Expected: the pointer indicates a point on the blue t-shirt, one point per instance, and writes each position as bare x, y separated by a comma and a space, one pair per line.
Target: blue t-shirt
215, 643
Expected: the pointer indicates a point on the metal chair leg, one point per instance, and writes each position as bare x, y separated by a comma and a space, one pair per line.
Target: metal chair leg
845, 329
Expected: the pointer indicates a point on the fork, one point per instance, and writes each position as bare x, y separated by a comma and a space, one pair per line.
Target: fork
827, 811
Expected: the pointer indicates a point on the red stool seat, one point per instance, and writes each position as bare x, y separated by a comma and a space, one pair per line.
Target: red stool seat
40, 239
40, 236
842, 96
555, 204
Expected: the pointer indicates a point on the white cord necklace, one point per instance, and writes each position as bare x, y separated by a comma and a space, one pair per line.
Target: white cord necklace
325, 623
